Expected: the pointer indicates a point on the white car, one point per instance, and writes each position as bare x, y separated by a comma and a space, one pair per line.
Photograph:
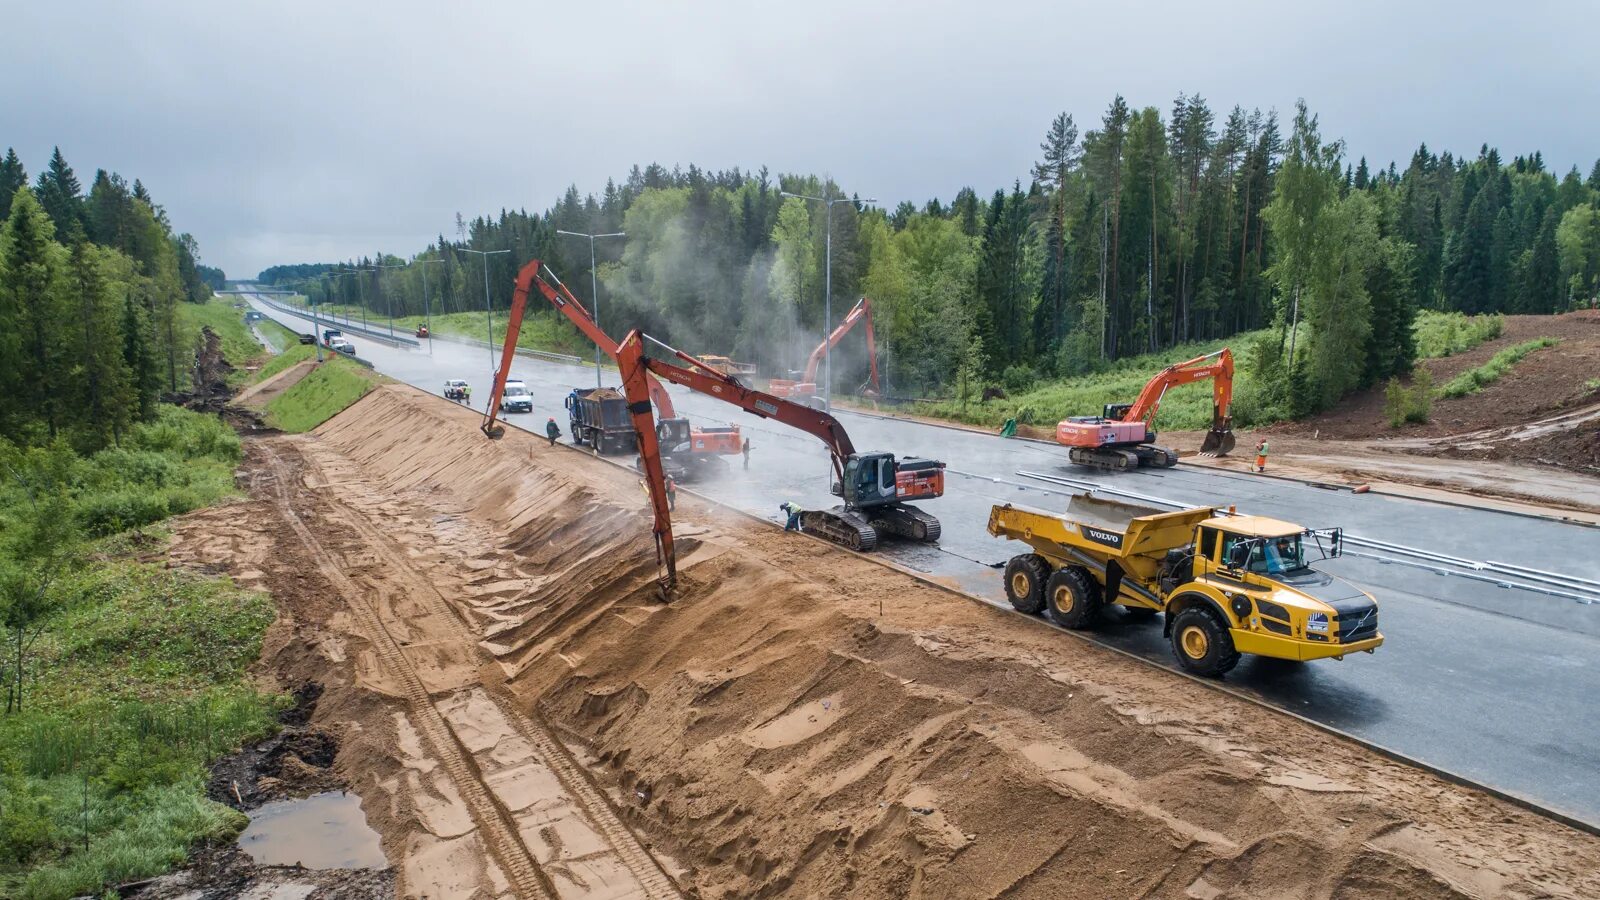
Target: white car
343, 346
516, 398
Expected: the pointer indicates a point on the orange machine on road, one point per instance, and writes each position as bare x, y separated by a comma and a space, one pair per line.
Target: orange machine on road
876, 487
693, 449
1123, 436
807, 387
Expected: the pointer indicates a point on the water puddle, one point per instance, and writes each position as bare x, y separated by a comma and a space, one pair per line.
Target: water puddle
323, 831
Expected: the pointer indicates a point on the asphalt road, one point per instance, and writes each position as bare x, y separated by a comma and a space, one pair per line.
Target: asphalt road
1496, 684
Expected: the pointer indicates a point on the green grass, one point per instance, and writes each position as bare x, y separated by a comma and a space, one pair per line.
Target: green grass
1447, 333
321, 395
239, 345
137, 674
280, 335
1187, 407
1475, 380
296, 353
542, 328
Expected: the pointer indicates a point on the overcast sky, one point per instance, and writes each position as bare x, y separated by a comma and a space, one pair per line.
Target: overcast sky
299, 132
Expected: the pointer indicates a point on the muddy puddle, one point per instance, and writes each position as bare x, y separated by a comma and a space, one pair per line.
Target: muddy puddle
323, 831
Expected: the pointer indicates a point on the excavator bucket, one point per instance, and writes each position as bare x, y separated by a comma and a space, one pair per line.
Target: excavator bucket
494, 430
1219, 440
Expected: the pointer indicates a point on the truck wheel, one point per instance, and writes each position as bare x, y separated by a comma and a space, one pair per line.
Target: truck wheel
1025, 577
1071, 600
1202, 643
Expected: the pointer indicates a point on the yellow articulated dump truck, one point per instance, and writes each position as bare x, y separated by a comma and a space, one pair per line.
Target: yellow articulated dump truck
1228, 584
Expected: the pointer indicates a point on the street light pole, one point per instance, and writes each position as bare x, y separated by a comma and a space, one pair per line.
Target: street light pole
488, 311
827, 310
387, 305
594, 289
427, 315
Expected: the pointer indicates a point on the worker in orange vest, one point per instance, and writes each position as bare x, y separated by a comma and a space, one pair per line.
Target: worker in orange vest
1261, 455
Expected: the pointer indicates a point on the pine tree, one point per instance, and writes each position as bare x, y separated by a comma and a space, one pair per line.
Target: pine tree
1391, 345
101, 390
1541, 289
1060, 156
140, 361
12, 177
1363, 178
31, 318
1469, 270
61, 196
1594, 177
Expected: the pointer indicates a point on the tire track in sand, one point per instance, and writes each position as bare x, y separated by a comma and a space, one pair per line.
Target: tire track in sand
548, 750
499, 835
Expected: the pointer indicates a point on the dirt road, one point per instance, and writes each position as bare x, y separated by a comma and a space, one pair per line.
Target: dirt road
522, 718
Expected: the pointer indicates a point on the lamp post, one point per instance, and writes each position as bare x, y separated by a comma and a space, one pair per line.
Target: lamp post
594, 288
387, 306
827, 312
487, 310
427, 315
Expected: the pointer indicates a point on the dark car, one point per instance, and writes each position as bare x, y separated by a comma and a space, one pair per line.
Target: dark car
308, 339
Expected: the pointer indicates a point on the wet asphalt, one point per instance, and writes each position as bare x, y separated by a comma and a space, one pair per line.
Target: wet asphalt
1496, 684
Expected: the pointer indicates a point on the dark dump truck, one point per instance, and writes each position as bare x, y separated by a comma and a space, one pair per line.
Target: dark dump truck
599, 419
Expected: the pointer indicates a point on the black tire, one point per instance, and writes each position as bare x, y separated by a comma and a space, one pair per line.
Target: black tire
1025, 578
1202, 644
1071, 598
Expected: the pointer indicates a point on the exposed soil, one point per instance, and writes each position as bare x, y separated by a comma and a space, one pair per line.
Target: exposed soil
257, 396
523, 718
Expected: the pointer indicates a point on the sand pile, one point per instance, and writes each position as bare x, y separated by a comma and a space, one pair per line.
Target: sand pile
804, 722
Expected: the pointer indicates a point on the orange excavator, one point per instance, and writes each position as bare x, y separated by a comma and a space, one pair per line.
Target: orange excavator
691, 449
1123, 436
806, 389
875, 487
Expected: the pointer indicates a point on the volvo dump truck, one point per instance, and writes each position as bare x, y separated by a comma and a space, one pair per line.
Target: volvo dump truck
1228, 584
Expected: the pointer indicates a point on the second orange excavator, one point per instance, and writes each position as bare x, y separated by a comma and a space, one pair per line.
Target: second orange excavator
690, 451
1123, 436
805, 390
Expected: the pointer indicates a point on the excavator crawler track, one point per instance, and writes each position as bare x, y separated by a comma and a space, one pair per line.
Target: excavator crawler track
842, 526
903, 520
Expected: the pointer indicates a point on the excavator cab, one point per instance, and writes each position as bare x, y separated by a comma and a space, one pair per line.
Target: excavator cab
869, 480
1115, 411
673, 435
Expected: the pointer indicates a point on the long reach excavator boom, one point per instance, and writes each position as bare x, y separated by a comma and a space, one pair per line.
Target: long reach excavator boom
807, 387
673, 430
874, 486
1123, 436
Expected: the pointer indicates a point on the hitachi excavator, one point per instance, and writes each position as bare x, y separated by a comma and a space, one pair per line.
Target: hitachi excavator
805, 390
876, 487
1123, 436
688, 450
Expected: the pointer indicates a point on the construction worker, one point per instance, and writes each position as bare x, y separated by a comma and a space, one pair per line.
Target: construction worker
672, 494
793, 524
466, 394
1261, 455
552, 430
746, 450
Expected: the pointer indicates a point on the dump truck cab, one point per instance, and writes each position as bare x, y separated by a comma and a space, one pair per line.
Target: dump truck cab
1227, 584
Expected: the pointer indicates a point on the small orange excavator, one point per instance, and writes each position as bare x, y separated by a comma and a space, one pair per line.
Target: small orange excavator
1123, 436
692, 450
805, 390
875, 486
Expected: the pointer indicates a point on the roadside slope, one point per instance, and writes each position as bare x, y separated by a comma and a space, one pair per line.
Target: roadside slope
806, 721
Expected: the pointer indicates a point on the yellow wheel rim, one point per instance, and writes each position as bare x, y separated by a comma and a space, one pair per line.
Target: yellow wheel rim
1194, 641
1019, 585
1063, 599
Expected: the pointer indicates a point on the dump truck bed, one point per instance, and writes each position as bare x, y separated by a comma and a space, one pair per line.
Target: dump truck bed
1109, 528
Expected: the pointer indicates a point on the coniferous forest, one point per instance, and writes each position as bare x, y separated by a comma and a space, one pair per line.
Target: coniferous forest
90, 283
1133, 233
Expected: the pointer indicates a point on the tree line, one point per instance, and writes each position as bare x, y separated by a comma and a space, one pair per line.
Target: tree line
1141, 233
90, 284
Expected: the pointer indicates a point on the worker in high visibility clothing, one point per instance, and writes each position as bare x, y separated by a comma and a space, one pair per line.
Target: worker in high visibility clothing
672, 494
1261, 455
793, 512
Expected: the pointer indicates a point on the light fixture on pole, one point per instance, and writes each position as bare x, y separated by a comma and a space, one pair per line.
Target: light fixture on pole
387, 306
427, 315
488, 311
827, 311
594, 289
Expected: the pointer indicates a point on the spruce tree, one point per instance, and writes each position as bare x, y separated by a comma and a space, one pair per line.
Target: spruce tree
1541, 290
61, 196
32, 317
101, 389
139, 358
12, 177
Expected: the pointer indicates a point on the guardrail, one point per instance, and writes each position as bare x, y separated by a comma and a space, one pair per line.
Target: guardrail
521, 351
367, 332
1585, 591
